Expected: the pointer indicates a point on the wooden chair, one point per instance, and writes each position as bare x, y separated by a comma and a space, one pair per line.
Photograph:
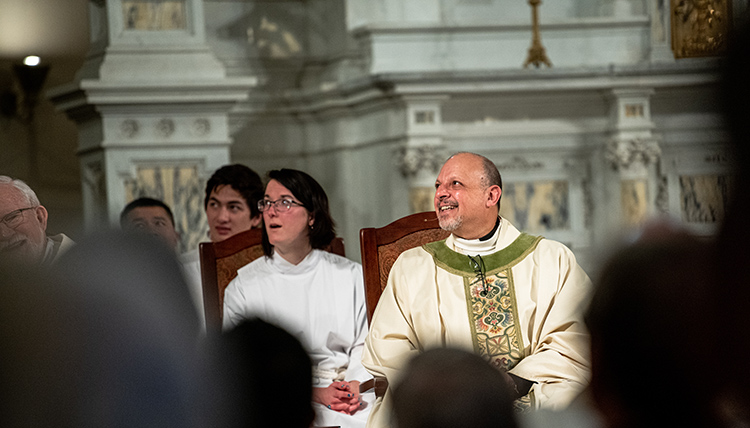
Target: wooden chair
220, 262
381, 246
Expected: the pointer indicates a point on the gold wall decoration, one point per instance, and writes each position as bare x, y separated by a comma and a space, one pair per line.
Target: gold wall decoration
700, 27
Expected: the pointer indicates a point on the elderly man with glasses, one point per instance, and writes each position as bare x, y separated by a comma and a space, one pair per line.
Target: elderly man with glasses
23, 227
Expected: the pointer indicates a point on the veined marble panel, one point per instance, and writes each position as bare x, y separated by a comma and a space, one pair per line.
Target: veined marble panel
180, 187
704, 198
421, 199
634, 202
536, 206
150, 15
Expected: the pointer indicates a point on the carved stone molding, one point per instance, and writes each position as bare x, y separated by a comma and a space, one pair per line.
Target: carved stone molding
201, 127
624, 153
165, 128
662, 196
411, 160
588, 203
518, 162
93, 178
129, 128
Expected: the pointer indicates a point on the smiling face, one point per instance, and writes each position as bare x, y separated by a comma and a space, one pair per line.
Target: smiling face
154, 221
26, 242
464, 204
288, 230
228, 214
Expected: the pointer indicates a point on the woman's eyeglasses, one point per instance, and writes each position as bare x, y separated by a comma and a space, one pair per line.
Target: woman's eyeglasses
279, 204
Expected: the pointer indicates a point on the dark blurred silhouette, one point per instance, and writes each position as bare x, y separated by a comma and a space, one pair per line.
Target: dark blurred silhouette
732, 274
451, 388
105, 338
653, 333
272, 376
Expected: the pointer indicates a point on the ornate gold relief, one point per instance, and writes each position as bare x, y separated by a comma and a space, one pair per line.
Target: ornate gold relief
700, 27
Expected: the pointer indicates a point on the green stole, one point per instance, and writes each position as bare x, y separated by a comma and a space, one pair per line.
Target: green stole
492, 315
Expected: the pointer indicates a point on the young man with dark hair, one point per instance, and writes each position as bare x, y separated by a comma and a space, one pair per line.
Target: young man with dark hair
231, 204
152, 216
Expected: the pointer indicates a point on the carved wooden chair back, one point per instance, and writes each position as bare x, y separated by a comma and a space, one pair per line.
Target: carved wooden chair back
381, 247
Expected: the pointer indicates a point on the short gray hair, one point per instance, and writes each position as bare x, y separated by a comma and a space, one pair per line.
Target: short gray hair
23, 188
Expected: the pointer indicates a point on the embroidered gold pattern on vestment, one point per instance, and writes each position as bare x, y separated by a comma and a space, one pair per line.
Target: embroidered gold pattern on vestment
494, 321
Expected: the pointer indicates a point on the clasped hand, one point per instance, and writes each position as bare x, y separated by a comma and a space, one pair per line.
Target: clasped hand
340, 396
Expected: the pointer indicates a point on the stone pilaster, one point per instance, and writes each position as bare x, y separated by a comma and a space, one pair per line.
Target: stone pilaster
421, 158
661, 35
632, 154
151, 104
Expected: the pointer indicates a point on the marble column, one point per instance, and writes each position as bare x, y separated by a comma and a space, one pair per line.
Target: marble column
632, 153
421, 158
151, 103
420, 165
661, 37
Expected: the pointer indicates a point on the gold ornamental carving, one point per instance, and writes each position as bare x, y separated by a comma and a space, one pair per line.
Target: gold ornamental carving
537, 54
700, 27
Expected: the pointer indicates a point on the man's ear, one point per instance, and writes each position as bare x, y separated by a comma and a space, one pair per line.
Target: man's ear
493, 195
255, 221
41, 216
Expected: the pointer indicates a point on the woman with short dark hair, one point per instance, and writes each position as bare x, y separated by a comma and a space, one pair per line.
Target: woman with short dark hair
315, 295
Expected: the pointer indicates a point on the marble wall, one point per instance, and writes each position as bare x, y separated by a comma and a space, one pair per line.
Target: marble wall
536, 207
183, 190
704, 198
347, 88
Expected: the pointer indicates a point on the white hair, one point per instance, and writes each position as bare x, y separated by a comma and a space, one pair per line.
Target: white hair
24, 188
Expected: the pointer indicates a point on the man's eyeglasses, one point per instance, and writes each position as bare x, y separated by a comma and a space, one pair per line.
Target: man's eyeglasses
279, 204
14, 218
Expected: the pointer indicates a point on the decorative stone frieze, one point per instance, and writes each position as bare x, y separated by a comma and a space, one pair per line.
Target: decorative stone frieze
411, 160
622, 154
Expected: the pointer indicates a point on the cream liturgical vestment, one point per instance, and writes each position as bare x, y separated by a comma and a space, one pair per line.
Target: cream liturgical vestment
518, 304
321, 302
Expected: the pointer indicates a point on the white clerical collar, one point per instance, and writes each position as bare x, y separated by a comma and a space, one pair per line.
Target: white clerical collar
48, 251
473, 247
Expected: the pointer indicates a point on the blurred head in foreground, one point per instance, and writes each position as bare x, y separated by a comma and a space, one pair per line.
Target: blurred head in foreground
452, 388
652, 327
107, 337
268, 363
